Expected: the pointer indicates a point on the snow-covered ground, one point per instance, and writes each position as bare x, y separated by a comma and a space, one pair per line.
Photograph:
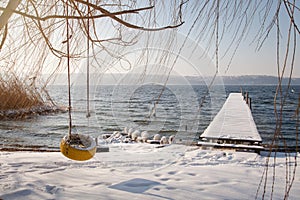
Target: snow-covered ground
142, 171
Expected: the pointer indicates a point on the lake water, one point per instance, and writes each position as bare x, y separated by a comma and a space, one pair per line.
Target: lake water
176, 113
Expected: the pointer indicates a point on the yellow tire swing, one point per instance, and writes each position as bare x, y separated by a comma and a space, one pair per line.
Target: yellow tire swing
78, 147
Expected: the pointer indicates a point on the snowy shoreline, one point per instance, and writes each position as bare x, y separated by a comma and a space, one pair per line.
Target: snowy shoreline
139, 171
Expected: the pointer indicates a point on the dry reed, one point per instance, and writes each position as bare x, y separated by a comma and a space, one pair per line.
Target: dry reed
19, 100
15, 95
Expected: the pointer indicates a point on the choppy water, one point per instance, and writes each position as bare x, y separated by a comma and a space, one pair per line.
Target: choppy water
178, 112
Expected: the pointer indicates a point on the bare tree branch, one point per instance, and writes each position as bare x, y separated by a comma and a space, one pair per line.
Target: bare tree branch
4, 36
291, 15
133, 11
127, 24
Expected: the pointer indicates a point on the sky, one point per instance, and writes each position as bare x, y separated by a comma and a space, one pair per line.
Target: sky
194, 58
248, 60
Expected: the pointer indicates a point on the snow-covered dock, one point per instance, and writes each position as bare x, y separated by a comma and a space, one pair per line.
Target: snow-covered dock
233, 127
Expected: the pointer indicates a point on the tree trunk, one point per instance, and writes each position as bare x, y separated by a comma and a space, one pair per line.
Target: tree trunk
6, 14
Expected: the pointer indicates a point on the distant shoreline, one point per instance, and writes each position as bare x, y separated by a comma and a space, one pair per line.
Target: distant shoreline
113, 79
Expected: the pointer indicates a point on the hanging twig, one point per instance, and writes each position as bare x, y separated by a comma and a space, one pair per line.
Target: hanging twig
69, 75
88, 114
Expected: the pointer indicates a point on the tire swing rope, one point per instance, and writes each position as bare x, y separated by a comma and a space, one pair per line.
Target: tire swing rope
78, 147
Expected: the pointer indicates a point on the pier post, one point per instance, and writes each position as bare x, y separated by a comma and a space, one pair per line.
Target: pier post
250, 103
247, 98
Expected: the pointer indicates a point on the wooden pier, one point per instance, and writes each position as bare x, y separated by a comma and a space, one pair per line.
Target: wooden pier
233, 127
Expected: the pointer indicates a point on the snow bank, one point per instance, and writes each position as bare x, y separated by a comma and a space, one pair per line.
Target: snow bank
140, 171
